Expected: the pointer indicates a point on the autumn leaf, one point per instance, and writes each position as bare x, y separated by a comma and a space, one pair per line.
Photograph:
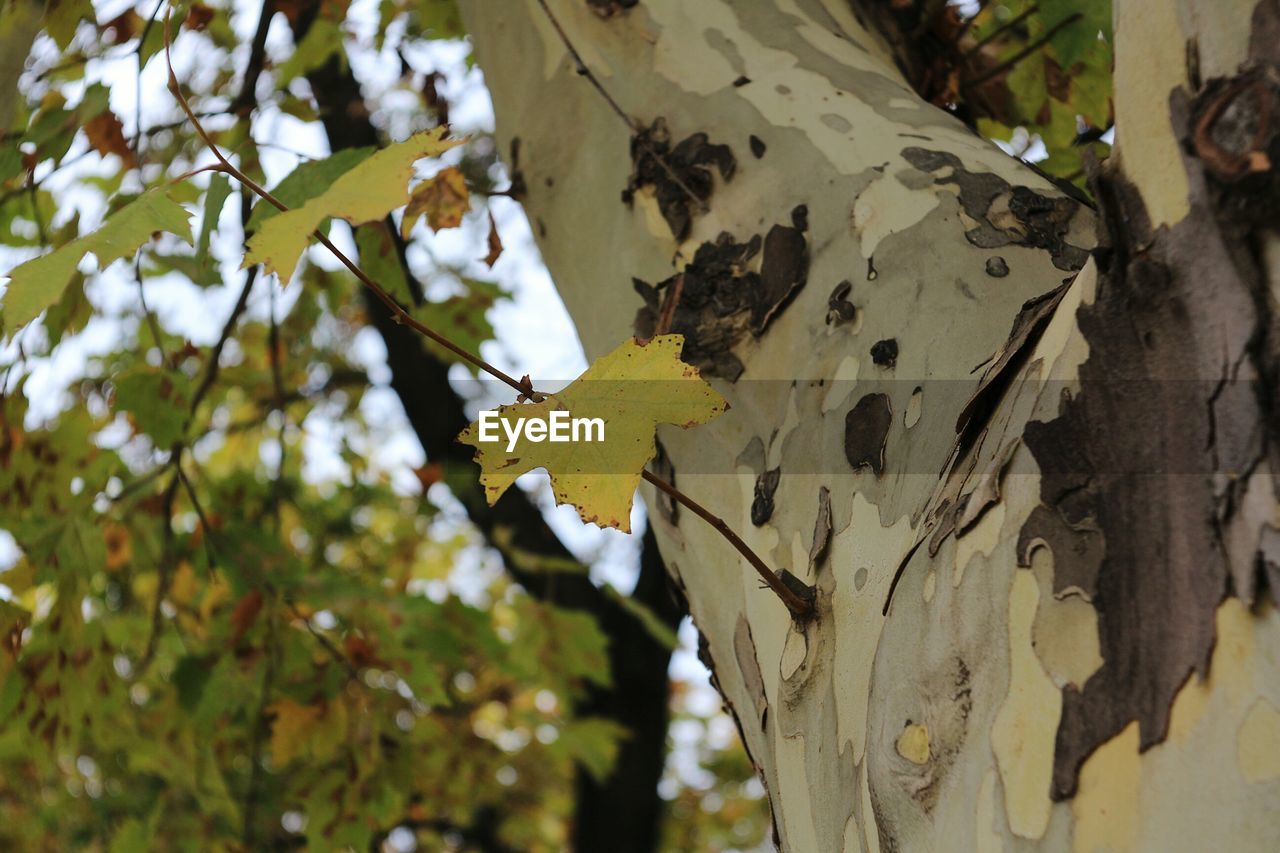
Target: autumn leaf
632, 390
244, 614
366, 193
106, 136
292, 725
38, 283
495, 243
443, 198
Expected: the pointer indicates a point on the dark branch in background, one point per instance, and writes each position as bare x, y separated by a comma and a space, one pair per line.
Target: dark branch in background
623, 812
247, 100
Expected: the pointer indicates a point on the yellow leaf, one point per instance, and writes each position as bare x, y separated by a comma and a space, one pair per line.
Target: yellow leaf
631, 390
443, 198
314, 729
368, 192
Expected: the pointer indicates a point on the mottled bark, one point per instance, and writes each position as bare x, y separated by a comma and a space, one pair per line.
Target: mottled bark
1063, 475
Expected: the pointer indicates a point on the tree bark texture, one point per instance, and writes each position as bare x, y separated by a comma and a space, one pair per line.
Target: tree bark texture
1023, 450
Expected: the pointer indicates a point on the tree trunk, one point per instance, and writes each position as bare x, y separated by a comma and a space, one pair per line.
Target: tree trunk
1030, 472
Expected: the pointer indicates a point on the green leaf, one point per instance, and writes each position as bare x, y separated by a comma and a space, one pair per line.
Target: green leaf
463, 319
366, 193
322, 41
1076, 40
380, 260
307, 181
632, 389
38, 283
158, 400
62, 18
592, 742
19, 23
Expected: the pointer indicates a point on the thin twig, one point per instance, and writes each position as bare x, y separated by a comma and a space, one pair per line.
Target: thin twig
400, 315
1003, 28
1026, 51
636, 129
800, 609
207, 536
341, 659
166, 574
215, 354
137, 85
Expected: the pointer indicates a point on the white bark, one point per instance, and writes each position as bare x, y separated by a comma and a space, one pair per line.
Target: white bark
933, 728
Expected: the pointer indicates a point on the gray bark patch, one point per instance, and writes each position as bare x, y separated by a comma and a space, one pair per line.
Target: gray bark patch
1006, 214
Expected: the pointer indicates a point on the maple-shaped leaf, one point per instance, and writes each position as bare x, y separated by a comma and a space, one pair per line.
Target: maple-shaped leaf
368, 192
631, 390
444, 198
38, 283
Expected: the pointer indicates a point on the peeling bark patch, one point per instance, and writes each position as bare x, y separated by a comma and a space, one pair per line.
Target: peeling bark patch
762, 504
681, 176
741, 81
821, 530
722, 297
1269, 561
997, 267
866, 428
757, 146
1128, 501
744, 650
713, 312
1004, 364
1237, 137
783, 270
1005, 214
839, 309
885, 353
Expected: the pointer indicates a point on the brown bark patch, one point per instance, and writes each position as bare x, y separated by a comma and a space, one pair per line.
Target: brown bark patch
724, 296
1143, 469
680, 175
866, 428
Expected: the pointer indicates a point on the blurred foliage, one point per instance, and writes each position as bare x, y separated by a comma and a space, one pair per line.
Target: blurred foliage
1035, 76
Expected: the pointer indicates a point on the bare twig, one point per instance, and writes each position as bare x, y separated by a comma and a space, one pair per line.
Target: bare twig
1003, 28
1026, 51
800, 609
